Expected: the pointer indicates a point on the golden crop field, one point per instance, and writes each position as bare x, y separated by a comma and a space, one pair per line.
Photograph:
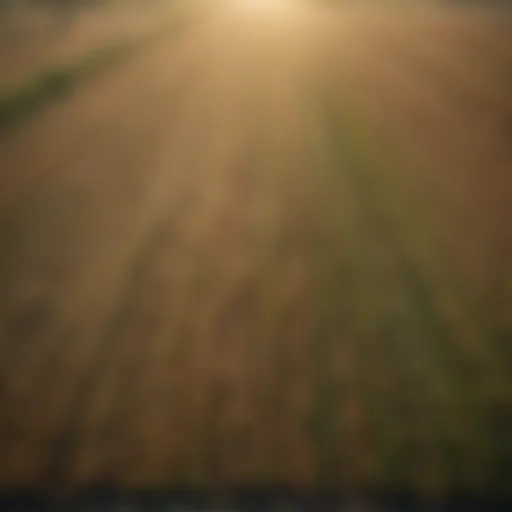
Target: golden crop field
273, 249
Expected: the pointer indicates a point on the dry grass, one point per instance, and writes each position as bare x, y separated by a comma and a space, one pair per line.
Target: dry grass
220, 274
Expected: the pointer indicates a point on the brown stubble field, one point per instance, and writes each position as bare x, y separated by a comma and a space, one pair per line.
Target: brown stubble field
270, 251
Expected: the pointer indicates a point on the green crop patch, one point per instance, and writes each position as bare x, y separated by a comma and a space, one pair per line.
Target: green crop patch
420, 365
19, 102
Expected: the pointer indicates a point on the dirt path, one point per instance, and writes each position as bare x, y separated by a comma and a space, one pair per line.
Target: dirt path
207, 279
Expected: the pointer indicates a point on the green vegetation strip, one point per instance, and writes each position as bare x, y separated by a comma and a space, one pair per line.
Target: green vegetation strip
19, 102
444, 361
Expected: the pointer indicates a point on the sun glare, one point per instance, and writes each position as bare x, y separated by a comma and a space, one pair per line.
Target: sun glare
262, 7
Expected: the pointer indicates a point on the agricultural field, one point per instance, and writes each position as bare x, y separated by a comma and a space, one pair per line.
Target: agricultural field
271, 249
32, 39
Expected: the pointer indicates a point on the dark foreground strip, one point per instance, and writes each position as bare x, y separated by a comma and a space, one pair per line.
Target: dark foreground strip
186, 500
20, 102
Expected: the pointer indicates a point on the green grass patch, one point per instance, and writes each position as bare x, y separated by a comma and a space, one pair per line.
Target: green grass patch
421, 369
17, 103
